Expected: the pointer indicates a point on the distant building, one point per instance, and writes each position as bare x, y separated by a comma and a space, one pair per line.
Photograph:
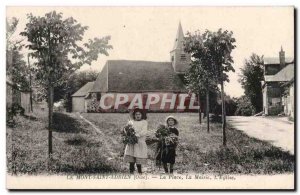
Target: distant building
278, 85
132, 77
16, 96
79, 99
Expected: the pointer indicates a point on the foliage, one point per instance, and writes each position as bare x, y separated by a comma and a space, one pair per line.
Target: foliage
251, 76
244, 107
56, 44
12, 112
231, 106
71, 85
11, 42
128, 135
16, 67
200, 72
162, 131
212, 52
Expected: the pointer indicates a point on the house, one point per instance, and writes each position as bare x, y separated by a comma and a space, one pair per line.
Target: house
278, 85
129, 77
16, 96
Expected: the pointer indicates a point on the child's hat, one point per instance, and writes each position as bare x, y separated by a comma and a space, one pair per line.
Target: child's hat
172, 117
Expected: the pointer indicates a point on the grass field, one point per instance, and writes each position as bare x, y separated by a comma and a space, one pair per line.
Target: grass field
79, 148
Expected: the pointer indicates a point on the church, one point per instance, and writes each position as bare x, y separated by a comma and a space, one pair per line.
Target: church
138, 77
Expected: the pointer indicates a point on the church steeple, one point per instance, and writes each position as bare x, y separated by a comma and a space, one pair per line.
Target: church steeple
179, 38
282, 58
180, 60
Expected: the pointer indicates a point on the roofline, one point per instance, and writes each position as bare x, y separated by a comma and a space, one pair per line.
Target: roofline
82, 87
286, 63
139, 61
142, 91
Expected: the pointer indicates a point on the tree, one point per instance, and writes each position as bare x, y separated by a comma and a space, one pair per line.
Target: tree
15, 64
213, 49
199, 73
196, 82
244, 107
219, 47
57, 45
250, 79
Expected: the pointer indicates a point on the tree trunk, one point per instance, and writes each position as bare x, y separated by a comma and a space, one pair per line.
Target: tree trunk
199, 111
223, 114
50, 119
207, 107
30, 87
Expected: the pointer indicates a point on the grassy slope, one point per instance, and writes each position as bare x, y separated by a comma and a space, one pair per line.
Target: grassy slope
78, 148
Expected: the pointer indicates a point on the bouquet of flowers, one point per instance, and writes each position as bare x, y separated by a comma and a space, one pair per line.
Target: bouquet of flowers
162, 132
129, 136
171, 140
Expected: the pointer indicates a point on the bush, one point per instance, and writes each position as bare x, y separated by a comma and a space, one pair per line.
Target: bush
244, 107
13, 111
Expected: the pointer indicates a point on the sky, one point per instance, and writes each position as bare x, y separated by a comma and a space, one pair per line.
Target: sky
148, 33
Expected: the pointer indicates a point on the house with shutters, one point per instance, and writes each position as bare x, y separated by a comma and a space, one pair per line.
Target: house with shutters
278, 85
131, 77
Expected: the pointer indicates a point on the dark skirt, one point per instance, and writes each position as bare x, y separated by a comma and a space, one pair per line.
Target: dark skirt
166, 154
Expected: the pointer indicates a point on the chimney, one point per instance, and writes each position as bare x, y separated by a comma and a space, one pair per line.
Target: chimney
282, 58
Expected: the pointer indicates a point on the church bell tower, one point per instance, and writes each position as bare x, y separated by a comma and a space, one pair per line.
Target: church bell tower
180, 60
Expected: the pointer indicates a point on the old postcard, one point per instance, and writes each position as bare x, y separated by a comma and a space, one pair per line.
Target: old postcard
150, 98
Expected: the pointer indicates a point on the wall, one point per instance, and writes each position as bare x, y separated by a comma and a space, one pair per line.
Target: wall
25, 101
78, 104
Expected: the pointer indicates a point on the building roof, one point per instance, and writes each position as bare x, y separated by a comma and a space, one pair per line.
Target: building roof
273, 60
138, 76
84, 90
286, 74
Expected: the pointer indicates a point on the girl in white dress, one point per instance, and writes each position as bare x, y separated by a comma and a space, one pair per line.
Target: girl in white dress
137, 153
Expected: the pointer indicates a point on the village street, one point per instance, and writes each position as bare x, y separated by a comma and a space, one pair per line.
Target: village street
277, 131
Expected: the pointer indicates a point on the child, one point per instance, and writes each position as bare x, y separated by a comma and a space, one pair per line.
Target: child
168, 143
137, 153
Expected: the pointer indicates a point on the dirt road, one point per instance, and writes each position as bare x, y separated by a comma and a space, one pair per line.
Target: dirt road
277, 131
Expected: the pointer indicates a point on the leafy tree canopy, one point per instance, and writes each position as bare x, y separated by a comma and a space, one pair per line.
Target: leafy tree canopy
16, 67
251, 76
211, 58
57, 45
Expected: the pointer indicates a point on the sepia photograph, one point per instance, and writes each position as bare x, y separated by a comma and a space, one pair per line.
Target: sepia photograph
150, 98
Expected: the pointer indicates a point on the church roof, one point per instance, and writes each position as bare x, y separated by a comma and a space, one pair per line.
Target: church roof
138, 76
286, 74
272, 60
82, 92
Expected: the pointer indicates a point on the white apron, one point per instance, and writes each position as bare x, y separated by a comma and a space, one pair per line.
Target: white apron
138, 150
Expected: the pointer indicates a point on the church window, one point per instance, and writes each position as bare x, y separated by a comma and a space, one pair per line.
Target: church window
172, 58
183, 57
